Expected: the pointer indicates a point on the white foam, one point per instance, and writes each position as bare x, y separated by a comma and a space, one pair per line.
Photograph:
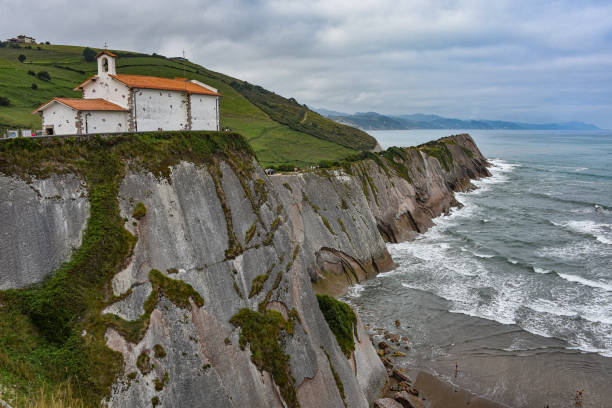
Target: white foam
540, 270
485, 256
586, 282
477, 313
355, 290
546, 306
585, 348
601, 232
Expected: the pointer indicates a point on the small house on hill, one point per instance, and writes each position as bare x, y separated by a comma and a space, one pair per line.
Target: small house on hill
131, 103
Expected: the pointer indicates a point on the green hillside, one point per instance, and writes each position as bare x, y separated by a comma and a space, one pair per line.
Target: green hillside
280, 130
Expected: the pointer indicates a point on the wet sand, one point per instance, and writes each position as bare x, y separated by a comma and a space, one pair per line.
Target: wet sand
438, 394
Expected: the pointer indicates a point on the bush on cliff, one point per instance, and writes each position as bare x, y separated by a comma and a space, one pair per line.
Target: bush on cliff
341, 320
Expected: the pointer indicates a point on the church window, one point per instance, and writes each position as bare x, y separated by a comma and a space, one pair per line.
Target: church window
170, 106
93, 91
105, 64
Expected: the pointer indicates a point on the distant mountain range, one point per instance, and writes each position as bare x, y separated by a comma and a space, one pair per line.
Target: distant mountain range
376, 121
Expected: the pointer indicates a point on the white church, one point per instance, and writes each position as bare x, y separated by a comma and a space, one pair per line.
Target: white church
131, 103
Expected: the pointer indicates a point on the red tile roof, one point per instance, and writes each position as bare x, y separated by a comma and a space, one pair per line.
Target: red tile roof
85, 104
149, 82
110, 54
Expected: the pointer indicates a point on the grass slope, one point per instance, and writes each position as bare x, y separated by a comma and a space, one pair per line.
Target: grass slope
275, 139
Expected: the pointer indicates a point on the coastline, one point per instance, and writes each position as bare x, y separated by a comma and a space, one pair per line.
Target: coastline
502, 354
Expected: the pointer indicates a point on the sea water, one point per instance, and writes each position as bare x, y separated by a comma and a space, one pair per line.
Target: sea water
516, 286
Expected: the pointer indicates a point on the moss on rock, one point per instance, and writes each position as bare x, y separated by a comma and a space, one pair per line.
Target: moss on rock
341, 320
263, 332
139, 211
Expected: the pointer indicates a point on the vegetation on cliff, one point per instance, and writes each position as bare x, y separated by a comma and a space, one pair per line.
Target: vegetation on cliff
263, 332
341, 320
53, 333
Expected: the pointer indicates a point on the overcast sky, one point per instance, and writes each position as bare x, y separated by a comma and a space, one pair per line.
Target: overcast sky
519, 60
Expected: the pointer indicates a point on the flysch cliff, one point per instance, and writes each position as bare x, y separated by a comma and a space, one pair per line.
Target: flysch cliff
188, 273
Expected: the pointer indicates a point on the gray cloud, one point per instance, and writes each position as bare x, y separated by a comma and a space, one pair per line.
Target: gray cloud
510, 60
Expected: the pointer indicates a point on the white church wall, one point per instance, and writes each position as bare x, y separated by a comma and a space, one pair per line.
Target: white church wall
107, 88
104, 121
204, 112
159, 109
61, 118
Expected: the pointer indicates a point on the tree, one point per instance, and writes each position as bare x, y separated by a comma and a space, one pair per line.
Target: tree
34, 86
21, 58
4, 101
89, 54
43, 76
31, 73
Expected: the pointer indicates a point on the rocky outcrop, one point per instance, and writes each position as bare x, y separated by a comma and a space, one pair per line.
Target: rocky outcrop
407, 188
42, 221
332, 221
345, 216
211, 297
186, 233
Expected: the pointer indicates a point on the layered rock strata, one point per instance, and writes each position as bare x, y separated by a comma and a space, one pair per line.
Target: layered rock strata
225, 255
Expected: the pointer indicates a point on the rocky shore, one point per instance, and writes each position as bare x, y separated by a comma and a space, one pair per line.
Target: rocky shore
425, 390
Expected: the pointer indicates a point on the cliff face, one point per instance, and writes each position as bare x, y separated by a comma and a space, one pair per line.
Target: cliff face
42, 221
186, 230
345, 216
209, 298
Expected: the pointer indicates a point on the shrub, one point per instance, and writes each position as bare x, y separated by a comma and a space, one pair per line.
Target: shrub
31, 73
4, 101
341, 320
21, 58
34, 86
159, 351
43, 76
2, 44
89, 54
47, 42
15, 46
139, 211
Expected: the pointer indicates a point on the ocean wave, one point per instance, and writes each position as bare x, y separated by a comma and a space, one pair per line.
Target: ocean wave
585, 348
600, 231
549, 307
478, 313
573, 252
499, 174
355, 290
541, 270
596, 207
585, 282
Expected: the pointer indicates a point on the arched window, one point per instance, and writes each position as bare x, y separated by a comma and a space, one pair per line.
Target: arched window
105, 64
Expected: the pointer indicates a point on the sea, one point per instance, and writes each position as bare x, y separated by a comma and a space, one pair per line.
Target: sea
510, 296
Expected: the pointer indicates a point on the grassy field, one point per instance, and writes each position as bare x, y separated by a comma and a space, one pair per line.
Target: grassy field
275, 139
